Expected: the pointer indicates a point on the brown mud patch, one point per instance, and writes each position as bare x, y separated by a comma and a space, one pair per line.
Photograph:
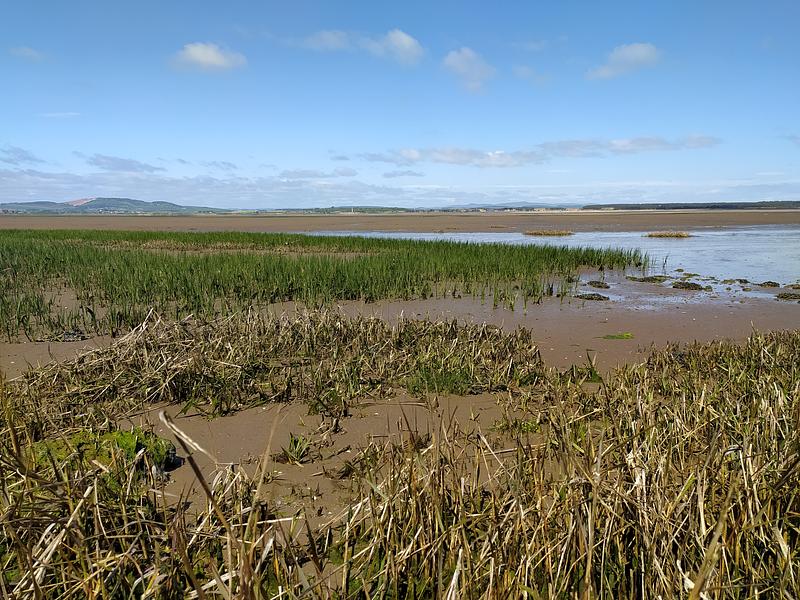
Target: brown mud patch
321, 484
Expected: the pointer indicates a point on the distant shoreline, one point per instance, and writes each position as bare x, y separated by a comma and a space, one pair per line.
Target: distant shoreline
432, 222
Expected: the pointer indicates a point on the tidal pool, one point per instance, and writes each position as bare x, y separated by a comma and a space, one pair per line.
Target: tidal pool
757, 253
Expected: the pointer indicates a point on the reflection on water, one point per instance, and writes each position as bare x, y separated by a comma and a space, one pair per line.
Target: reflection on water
756, 253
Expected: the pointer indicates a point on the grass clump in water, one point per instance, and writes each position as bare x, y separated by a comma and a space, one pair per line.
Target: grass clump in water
649, 278
591, 296
668, 234
549, 232
687, 285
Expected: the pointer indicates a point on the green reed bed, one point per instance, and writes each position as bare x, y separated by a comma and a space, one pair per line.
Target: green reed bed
108, 281
675, 478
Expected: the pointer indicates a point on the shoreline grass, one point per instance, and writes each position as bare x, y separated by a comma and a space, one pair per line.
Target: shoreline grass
116, 278
667, 480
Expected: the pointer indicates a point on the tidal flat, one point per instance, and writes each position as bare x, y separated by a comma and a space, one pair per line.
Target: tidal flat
342, 417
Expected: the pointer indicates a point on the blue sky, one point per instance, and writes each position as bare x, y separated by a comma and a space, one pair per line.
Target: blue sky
278, 104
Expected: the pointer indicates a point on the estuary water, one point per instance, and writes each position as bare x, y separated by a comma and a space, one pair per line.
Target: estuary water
756, 253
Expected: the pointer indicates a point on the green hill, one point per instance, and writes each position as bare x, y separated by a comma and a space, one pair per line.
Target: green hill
99, 206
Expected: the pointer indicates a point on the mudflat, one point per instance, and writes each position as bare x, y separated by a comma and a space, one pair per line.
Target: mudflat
512, 222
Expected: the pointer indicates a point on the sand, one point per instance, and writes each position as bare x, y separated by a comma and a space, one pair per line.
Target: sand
424, 223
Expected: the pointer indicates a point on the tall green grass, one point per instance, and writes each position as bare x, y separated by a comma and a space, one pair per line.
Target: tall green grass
117, 277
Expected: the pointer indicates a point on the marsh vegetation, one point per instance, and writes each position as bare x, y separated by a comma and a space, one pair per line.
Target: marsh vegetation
663, 479
83, 283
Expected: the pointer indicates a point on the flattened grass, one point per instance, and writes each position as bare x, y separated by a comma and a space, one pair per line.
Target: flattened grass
673, 478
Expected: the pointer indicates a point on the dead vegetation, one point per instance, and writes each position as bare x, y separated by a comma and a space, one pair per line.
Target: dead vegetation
674, 478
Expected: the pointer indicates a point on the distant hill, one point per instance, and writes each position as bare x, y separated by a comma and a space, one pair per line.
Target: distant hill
106, 206
698, 205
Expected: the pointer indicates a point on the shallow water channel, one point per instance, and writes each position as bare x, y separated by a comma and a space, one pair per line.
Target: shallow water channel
756, 253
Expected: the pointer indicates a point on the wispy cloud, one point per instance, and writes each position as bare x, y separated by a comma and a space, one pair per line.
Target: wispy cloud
395, 44
14, 155
469, 67
327, 41
208, 57
27, 53
60, 115
651, 144
118, 164
316, 174
794, 138
394, 174
530, 74
345, 172
626, 59
533, 45
540, 153
222, 165
275, 192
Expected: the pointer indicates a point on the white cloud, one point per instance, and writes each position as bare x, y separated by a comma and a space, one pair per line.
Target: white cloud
208, 57
470, 67
27, 53
396, 44
457, 156
626, 59
539, 153
794, 138
273, 192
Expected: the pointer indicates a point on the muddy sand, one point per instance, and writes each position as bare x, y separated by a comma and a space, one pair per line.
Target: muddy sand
623, 329
567, 333
644, 220
566, 330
